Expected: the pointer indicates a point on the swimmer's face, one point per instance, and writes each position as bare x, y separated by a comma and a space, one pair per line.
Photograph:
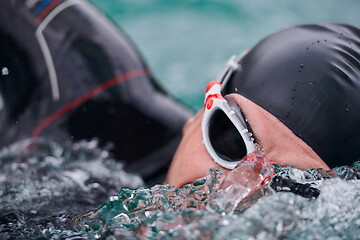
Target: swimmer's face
191, 160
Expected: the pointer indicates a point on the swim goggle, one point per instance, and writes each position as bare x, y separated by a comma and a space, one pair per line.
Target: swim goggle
224, 129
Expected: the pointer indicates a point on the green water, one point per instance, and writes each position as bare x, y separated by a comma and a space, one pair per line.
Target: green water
187, 42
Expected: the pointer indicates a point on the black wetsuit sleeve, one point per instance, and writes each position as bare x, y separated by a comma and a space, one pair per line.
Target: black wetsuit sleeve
73, 75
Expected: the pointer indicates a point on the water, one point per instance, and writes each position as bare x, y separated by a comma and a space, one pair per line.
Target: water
43, 185
187, 42
49, 191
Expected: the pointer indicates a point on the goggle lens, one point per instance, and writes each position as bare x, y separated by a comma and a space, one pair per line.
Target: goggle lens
225, 138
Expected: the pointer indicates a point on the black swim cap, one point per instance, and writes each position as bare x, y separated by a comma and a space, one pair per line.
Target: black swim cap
308, 77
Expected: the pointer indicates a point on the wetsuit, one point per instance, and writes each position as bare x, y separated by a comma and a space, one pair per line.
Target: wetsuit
67, 73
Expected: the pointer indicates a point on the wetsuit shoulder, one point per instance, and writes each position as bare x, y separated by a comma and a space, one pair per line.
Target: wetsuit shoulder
73, 75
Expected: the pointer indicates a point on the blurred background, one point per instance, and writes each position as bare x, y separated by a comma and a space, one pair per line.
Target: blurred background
186, 43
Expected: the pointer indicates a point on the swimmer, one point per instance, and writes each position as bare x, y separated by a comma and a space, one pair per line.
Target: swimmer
68, 74
299, 91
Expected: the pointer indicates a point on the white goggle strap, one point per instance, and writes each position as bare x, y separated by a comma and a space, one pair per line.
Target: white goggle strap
231, 66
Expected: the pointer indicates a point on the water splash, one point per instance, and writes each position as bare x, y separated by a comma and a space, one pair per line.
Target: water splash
243, 204
132, 207
42, 185
215, 193
41, 190
244, 184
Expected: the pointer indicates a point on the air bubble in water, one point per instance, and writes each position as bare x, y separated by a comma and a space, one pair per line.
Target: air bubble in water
5, 71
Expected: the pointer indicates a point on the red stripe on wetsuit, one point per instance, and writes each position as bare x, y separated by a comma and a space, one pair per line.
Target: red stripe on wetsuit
87, 96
